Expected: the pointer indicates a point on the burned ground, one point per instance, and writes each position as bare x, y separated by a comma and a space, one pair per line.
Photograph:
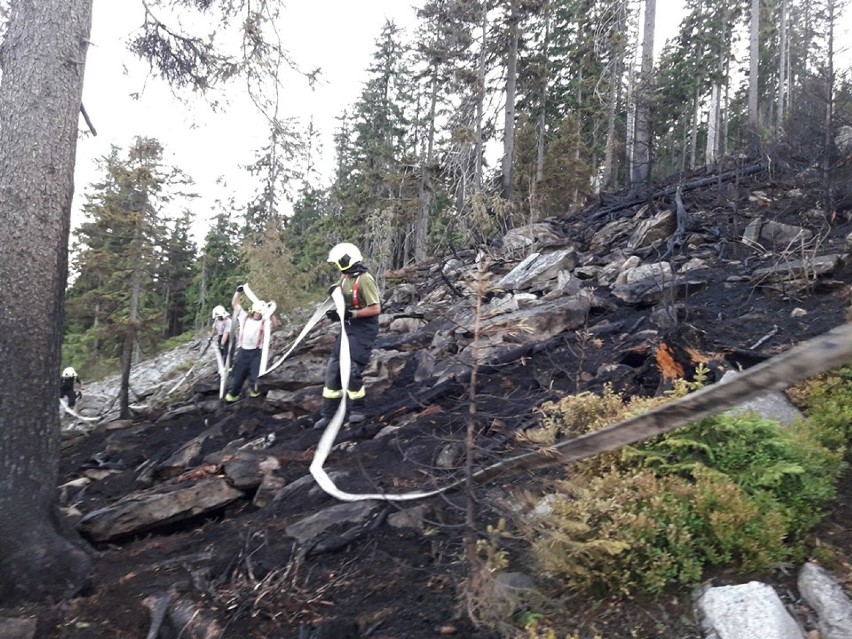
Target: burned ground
237, 569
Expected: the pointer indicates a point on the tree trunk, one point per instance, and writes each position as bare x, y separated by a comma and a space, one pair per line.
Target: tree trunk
421, 222
96, 342
641, 172
828, 150
782, 68
201, 307
726, 104
509, 121
132, 328
480, 101
42, 60
712, 147
693, 134
685, 140
541, 128
630, 129
754, 58
607, 172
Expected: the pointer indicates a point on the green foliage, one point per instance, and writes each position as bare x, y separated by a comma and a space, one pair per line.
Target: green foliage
625, 532
528, 619
577, 414
375, 182
132, 258
77, 352
218, 270
178, 340
786, 469
827, 401
494, 557
567, 170
732, 489
175, 276
270, 270
308, 235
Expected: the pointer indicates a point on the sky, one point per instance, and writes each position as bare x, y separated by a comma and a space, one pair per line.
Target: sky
337, 35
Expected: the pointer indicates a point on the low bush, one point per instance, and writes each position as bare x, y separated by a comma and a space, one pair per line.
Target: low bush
729, 490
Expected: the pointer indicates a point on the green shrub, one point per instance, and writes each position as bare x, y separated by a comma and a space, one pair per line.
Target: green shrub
733, 489
784, 468
827, 401
626, 533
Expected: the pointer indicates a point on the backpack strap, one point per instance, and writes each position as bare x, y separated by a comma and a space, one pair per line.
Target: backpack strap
356, 299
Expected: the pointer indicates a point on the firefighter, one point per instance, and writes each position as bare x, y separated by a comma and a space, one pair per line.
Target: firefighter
221, 329
361, 323
70, 386
250, 346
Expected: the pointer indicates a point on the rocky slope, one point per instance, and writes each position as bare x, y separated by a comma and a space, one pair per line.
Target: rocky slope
209, 514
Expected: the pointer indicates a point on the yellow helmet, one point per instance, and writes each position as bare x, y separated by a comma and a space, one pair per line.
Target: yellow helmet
258, 307
344, 255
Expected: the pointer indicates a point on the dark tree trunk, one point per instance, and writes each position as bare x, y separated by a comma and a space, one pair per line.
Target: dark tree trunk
42, 59
424, 199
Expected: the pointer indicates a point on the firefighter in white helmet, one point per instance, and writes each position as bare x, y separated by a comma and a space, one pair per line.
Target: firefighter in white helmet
249, 346
361, 323
221, 329
70, 386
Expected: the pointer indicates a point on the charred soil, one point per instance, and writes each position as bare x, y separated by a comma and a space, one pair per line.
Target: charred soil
400, 572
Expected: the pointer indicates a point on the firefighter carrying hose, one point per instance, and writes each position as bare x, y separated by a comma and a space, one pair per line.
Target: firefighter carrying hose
361, 322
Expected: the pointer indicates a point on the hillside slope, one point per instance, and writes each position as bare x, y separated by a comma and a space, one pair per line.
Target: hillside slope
211, 510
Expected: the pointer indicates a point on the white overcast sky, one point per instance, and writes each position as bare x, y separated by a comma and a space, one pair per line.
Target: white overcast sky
337, 35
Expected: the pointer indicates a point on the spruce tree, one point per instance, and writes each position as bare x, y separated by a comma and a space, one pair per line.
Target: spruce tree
121, 248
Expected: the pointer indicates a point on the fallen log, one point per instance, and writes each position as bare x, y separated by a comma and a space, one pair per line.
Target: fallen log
159, 606
192, 622
801, 362
686, 186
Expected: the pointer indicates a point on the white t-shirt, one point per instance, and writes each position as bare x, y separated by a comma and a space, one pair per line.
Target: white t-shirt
251, 332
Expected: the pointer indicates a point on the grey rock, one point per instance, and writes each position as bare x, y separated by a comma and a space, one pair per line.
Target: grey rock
746, 611
828, 599
537, 269
770, 405
145, 510
314, 525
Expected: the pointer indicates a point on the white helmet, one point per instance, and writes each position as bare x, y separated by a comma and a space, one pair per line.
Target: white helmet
219, 311
259, 307
344, 255
69, 372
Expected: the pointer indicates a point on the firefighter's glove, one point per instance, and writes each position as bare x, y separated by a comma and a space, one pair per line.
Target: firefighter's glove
334, 317
240, 288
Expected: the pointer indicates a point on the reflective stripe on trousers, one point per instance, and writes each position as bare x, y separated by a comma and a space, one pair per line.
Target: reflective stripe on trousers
330, 393
362, 335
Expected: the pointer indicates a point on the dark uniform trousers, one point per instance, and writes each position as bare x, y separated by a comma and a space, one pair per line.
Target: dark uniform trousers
362, 333
246, 366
